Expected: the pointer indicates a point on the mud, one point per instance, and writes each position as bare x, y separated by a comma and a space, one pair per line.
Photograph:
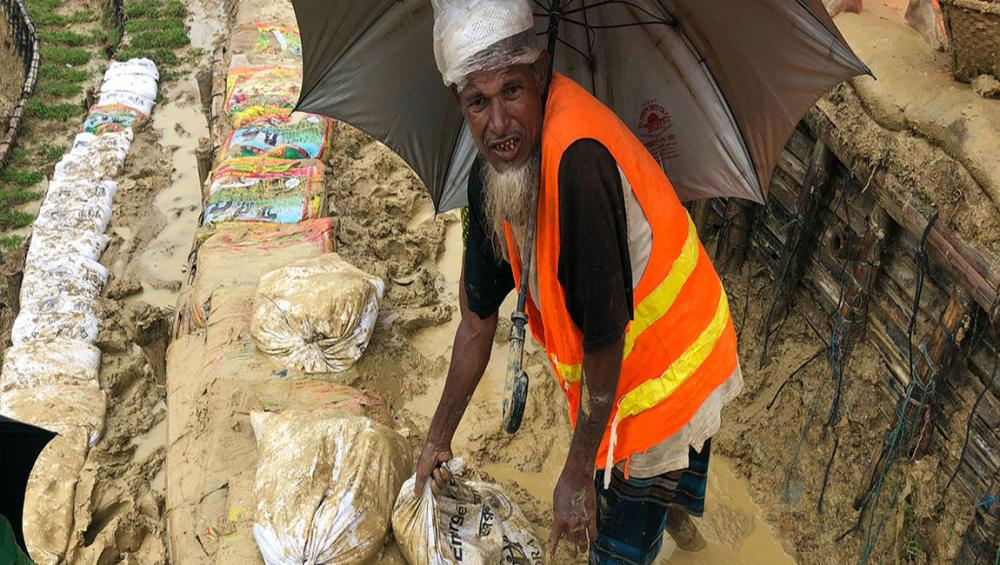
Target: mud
916, 97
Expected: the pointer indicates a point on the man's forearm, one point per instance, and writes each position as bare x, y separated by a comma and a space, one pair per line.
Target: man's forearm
598, 386
469, 357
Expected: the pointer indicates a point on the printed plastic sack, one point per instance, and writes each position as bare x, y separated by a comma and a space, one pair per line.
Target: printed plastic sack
236, 255
132, 67
324, 486
80, 142
56, 214
267, 42
316, 315
256, 92
466, 522
283, 191
113, 118
124, 98
300, 136
104, 190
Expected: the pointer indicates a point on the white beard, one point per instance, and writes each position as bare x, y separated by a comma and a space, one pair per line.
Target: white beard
507, 198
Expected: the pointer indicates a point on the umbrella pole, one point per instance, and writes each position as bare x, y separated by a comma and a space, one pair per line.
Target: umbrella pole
516, 387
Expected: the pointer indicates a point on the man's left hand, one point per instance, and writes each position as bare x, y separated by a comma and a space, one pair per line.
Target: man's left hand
574, 509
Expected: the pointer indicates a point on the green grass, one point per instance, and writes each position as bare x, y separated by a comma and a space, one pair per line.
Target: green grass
155, 9
45, 18
65, 37
159, 56
15, 218
74, 56
157, 24
57, 72
59, 89
37, 156
16, 196
21, 177
171, 38
62, 112
9, 243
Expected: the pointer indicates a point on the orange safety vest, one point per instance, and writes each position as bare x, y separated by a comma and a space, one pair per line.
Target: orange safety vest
680, 344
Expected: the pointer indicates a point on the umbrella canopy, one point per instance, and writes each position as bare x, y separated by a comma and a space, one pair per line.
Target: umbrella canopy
713, 89
20, 445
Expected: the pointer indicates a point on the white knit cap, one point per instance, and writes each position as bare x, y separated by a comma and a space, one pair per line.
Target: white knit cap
482, 35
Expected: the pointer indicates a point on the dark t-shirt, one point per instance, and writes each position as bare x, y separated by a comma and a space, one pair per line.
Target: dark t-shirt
594, 265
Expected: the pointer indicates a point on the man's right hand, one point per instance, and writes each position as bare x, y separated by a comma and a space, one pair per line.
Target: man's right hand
430, 465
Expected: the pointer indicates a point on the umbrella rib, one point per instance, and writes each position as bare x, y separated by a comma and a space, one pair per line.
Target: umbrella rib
584, 8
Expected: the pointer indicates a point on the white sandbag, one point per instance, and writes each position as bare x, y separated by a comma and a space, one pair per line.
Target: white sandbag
56, 362
104, 190
316, 315
72, 276
56, 317
75, 215
50, 244
324, 486
466, 522
128, 98
132, 67
80, 142
60, 203
139, 84
102, 159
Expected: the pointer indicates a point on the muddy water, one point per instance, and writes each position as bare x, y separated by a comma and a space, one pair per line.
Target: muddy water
733, 526
180, 123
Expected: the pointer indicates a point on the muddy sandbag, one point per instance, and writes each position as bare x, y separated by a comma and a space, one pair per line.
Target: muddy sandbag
74, 214
62, 276
237, 254
57, 362
264, 189
56, 316
48, 244
101, 160
256, 92
316, 315
324, 486
299, 136
466, 522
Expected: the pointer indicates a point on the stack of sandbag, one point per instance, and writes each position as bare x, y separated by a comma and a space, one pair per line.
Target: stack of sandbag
266, 189
49, 376
128, 93
316, 315
465, 522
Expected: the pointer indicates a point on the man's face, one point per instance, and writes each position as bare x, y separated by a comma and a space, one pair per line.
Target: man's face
504, 111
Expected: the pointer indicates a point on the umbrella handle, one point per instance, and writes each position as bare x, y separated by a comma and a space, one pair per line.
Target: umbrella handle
516, 388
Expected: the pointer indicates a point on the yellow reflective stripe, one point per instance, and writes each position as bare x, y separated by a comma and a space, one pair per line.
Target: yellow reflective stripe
569, 373
656, 305
654, 391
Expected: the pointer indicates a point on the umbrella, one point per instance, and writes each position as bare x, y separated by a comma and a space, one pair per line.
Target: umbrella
20, 445
712, 87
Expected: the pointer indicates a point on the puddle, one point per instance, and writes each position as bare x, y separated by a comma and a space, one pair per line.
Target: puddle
149, 442
733, 524
180, 123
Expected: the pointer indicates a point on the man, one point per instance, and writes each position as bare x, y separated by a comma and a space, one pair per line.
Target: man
622, 295
920, 15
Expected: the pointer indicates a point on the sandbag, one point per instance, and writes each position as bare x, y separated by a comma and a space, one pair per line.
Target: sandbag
324, 486
80, 142
49, 244
131, 99
256, 92
466, 522
299, 136
237, 254
132, 67
102, 159
113, 118
55, 317
267, 42
65, 276
263, 189
139, 85
316, 315
103, 190
74, 214
56, 362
